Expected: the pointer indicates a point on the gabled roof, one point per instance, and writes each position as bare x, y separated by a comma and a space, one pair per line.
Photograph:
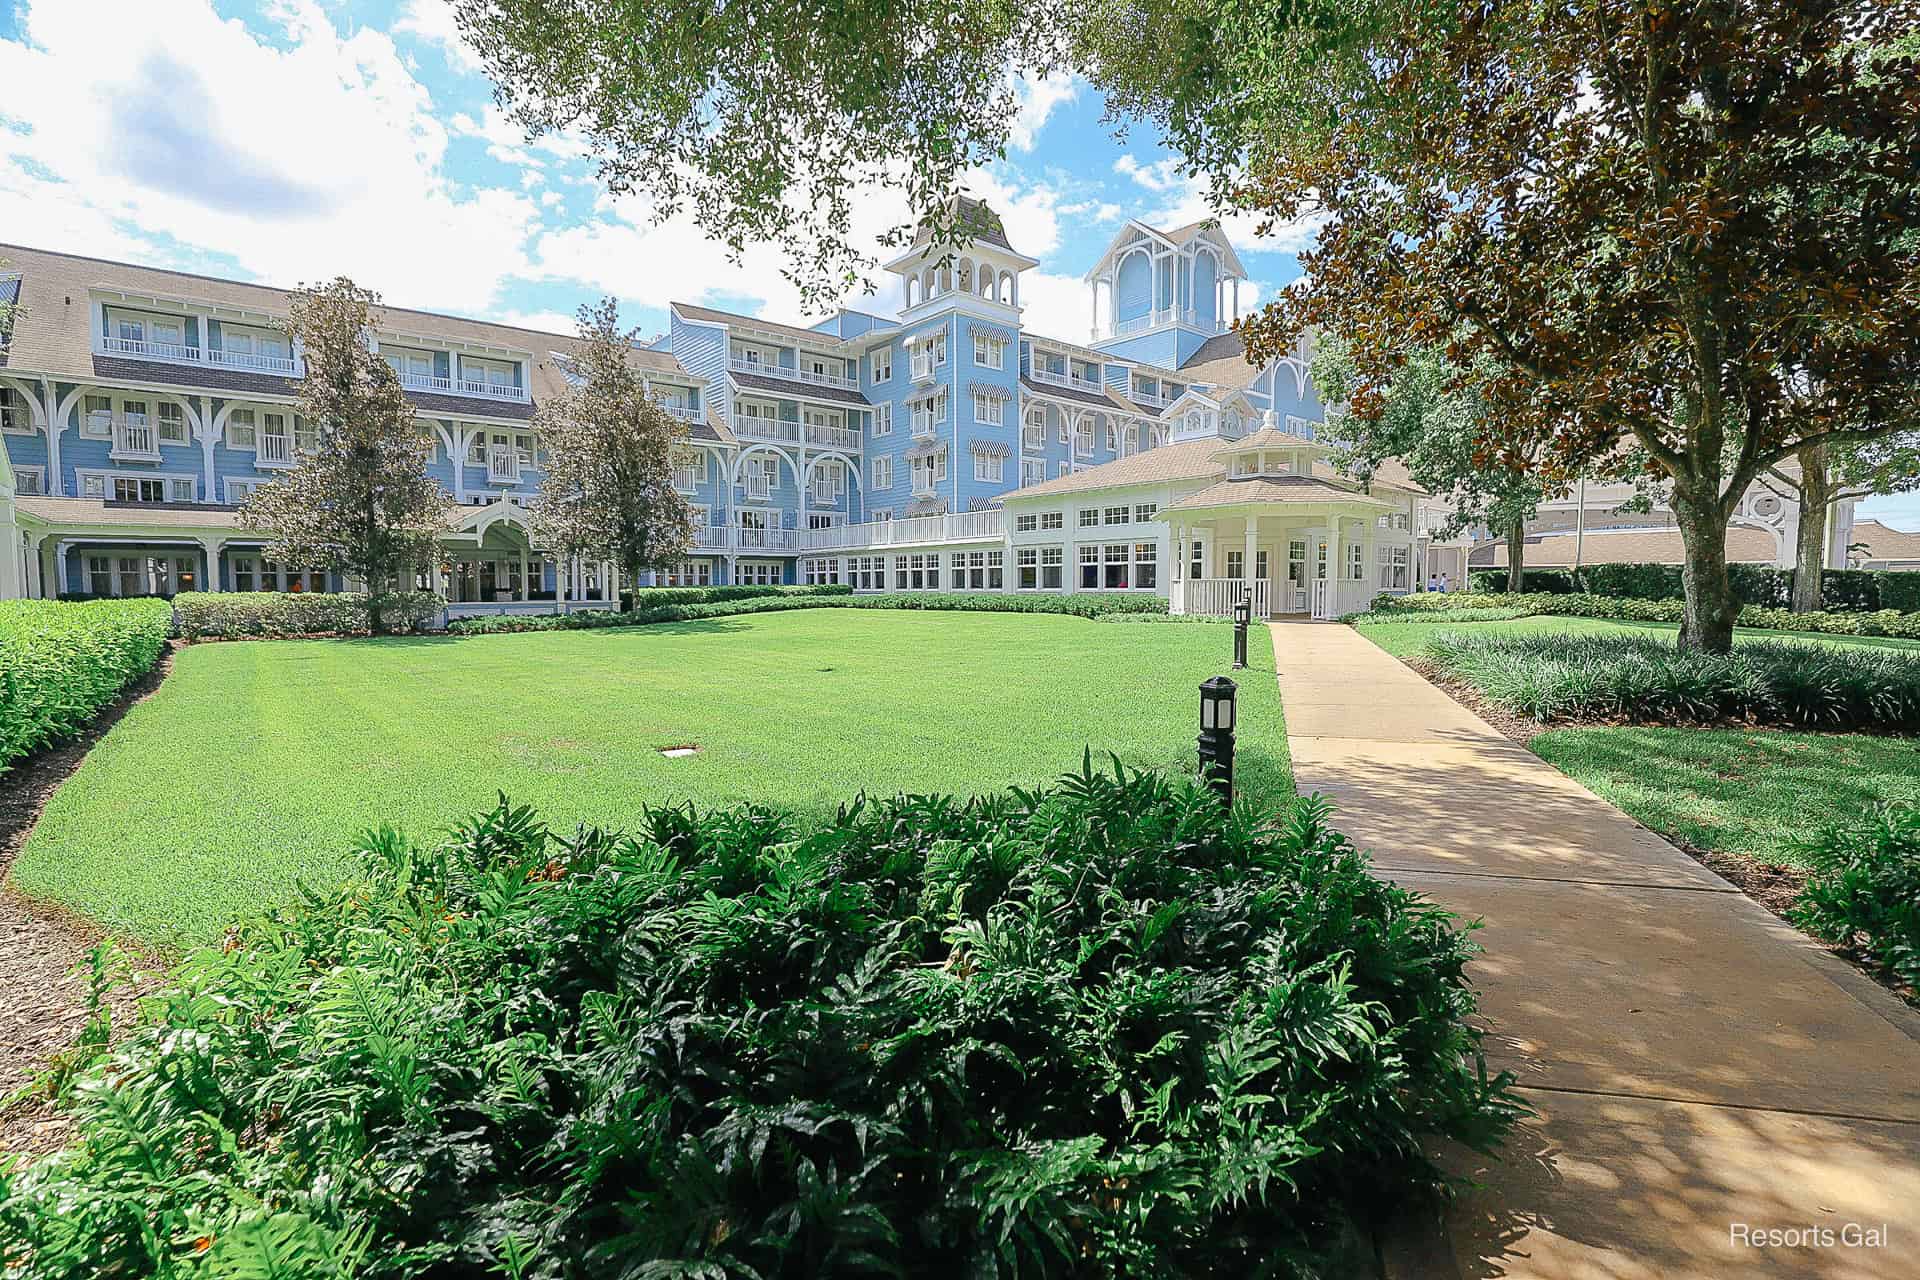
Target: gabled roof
1106, 399
1167, 464
793, 386
55, 336
1207, 229
1556, 550
733, 319
1221, 361
1883, 542
1272, 489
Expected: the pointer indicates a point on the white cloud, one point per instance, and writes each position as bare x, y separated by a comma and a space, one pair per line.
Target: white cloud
432, 21
1056, 306
1036, 101
296, 162
1161, 175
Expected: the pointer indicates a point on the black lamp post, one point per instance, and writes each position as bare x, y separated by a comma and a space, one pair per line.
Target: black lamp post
1216, 734
1242, 614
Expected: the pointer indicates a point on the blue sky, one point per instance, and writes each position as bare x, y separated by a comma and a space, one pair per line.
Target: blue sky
291, 140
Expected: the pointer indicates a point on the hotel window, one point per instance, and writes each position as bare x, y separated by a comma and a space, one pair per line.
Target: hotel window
1089, 567
1026, 524
989, 352
1089, 517
1199, 560
823, 573
132, 576
29, 482
305, 438
1146, 565
496, 374
1112, 436
93, 485
986, 409
1116, 566
928, 472
173, 424
1236, 564
832, 418
1064, 469
239, 490
990, 468
1393, 568
1032, 471
252, 344
1133, 440
1053, 568
1027, 569
1083, 441
883, 365
970, 571
1356, 561
136, 489
1053, 519
97, 420
409, 364
759, 573
749, 355
899, 573
100, 575
13, 413
477, 449
883, 420
996, 571
689, 470
1115, 515
1145, 511
240, 430
829, 482
689, 573
882, 473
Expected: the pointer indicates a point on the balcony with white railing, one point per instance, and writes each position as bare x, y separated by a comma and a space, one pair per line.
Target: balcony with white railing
175, 353
180, 353
1033, 439
134, 440
1072, 380
273, 451
758, 486
778, 430
748, 539
1152, 400
472, 387
828, 437
925, 426
250, 362
964, 526
710, 537
765, 370
685, 413
503, 466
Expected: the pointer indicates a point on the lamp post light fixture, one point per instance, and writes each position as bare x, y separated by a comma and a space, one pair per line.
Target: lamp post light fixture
1216, 734
1242, 614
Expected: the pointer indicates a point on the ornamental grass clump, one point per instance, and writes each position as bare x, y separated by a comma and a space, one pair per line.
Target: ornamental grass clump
1645, 680
63, 662
1108, 1028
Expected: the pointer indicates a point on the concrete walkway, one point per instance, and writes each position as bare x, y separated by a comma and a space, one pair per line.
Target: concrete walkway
1695, 1063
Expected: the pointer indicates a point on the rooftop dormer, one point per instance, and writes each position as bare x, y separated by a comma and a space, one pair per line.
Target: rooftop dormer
1178, 287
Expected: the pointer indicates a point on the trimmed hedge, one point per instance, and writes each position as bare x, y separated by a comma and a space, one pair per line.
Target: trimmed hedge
226, 615
1644, 679
1081, 606
62, 663
1884, 622
1841, 590
1108, 1028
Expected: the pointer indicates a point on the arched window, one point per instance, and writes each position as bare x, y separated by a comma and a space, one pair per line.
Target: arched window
965, 282
913, 291
987, 281
1009, 288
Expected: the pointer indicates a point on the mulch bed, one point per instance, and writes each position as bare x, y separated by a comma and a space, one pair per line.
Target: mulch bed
42, 1002
1772, 885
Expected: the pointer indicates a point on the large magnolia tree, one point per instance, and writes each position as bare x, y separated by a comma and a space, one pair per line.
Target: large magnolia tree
360, 500
1679, 232
607, 491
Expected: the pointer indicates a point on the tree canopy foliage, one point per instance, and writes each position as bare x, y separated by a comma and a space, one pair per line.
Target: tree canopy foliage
359, 499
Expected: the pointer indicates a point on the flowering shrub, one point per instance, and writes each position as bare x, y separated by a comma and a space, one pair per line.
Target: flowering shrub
1107, 1028
62, 663
227, 615
1881, 622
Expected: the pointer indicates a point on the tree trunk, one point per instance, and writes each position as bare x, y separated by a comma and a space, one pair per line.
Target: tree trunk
1711, 608
1810, 560
1517, 556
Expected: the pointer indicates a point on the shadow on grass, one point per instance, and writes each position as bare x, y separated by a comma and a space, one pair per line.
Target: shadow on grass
697, 626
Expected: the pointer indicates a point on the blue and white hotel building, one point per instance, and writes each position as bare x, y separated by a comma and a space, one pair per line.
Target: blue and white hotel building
946, 448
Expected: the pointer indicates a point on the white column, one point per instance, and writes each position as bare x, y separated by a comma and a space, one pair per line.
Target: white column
1236, 297
459, 463
1334, 563
56, 475
1252, 547
212, 581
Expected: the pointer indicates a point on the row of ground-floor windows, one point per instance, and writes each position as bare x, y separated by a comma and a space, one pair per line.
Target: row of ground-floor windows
1395, 564
919, 571
165, 575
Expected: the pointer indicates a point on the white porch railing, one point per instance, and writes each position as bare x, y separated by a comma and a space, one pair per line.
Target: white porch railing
247, 360
134, 440
1215, 597
710, 537
832, 437
180, 353
274, 451
1160, 319
1330, 599
171, 351
1066, 380
503, 466
683, 412
765, 539
461, 387
1148, 398
777, 429
965, 526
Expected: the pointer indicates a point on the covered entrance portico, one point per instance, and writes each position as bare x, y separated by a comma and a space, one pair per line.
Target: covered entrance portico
491, 565
1296, 542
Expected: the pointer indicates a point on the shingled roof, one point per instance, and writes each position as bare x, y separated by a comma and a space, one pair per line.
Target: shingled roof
975, 219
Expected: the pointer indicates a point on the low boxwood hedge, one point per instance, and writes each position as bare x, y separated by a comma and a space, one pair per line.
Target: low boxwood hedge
1841, 590
1882, 622
1644, 679
62, 663
1082, 606
1108, 1028
229, 615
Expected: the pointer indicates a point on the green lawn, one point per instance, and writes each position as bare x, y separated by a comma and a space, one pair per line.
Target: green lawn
1403, 639
1752, 792
256, 763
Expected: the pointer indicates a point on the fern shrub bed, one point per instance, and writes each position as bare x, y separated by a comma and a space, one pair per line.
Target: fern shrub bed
62, 663
1880, 622
1646, 680
1864, 893
1107, 1028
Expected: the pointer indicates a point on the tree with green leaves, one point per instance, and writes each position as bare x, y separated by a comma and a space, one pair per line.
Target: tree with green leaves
1429, 418
359, 500
1820, 478
607, 489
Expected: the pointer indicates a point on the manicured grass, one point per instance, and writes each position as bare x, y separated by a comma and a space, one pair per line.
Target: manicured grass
257, 762
1404, 639
1752, 792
